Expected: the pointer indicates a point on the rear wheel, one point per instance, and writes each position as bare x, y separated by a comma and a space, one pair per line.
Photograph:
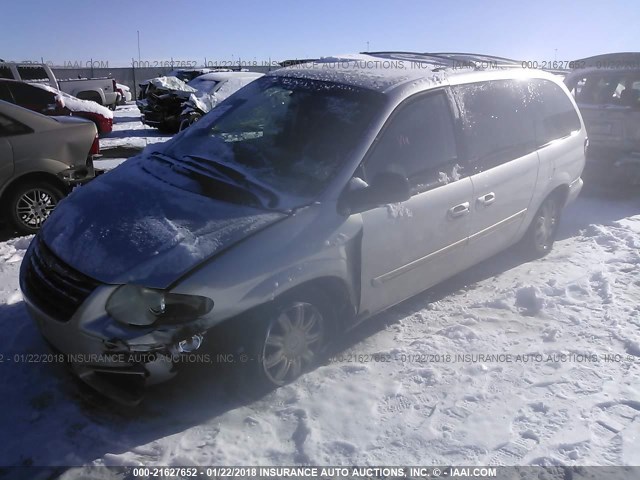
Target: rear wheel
542, 232
31, 204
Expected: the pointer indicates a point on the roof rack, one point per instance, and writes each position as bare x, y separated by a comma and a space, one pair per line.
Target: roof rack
297, 61
475, 60
416, 56
478, 57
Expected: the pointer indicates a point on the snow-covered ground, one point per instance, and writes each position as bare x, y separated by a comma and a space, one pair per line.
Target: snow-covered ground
129, 136
565, 389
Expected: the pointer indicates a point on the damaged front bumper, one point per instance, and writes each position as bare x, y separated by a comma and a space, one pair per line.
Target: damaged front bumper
115, 360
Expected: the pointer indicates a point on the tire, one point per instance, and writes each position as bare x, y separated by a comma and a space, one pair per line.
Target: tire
30, 204
287, 339
539, 239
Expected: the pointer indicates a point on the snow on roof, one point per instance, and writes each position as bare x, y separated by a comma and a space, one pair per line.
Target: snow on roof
170, 83
219, 76
76, 104
375, 72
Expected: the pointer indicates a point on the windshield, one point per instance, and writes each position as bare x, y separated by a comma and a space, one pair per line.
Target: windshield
203, 84
281, 139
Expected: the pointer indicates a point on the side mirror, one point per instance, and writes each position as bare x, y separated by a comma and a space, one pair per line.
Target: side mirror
386, 187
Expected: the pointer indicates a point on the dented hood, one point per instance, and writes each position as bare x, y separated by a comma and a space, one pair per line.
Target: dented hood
129, 227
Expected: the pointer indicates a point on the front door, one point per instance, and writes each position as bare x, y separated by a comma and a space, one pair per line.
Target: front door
410, 246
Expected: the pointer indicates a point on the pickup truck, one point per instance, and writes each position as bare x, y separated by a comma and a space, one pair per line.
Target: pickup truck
100, 90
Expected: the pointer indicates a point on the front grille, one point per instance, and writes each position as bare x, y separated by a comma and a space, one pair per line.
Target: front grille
53, 286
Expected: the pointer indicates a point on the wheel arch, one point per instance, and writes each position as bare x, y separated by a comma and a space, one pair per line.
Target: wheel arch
92, 95
32, 177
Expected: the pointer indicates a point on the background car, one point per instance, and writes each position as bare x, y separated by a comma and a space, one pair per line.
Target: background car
171, 105
101, 90
124, 92
607, 91
49, 101
41, 158
212, 89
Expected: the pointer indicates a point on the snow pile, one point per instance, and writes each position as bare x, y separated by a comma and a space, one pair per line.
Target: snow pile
77, 105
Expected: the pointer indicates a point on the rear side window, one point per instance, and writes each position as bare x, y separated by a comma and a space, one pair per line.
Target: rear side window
558, 117
28, 72
498, 121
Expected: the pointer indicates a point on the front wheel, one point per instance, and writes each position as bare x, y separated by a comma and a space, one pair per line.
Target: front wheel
541, 235
285, 339
293, 341
31, 204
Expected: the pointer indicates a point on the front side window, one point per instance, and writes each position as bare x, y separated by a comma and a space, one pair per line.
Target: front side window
280, 138
498, 121
418, 142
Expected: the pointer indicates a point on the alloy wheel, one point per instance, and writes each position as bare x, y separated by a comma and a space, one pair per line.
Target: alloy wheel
34, 206
292, 343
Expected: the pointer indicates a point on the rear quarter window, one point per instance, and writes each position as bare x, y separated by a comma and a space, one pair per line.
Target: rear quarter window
558, 117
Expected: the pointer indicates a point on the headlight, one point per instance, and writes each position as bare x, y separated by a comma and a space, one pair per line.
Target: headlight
136, 305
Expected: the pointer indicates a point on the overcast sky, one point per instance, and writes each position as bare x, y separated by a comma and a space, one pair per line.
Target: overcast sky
75, 31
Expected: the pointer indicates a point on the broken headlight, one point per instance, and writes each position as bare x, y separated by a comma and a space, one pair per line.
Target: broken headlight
135, 305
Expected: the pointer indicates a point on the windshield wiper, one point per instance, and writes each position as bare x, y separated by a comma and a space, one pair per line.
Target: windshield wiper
203, 176
240, 178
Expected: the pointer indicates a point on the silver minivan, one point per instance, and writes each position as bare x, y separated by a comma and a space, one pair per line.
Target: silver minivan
310, 200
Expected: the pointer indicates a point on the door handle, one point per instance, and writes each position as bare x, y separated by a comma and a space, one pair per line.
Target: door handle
459, 210
487, 199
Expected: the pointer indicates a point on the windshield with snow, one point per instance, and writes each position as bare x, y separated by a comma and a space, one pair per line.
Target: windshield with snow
276, 143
